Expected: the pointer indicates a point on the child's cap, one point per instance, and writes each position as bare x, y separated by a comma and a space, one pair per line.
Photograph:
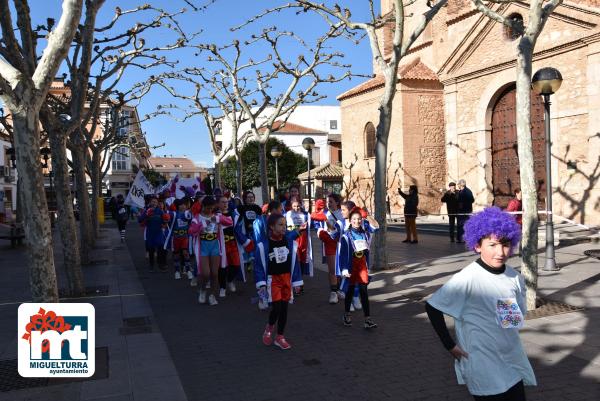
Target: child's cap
492, 221
319, 204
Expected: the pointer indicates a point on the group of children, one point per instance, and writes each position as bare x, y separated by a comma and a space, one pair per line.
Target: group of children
486, 298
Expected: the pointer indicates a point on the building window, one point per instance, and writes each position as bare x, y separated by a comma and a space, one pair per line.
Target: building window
120, 159
369, 140
333, 124
316, 157
510, 33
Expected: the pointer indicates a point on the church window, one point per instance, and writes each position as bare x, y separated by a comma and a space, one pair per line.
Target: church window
510, 33
369, 140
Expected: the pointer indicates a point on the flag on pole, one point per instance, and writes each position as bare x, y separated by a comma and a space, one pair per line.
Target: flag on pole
139, 189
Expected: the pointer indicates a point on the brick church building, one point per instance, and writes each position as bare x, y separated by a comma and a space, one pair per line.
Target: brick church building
454, 111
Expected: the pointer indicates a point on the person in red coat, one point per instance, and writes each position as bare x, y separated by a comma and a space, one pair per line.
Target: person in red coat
515, 205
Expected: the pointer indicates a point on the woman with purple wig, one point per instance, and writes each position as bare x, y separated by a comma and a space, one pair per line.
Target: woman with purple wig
487, 301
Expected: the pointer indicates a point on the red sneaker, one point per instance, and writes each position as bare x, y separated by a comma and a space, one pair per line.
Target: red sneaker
268, 335
281, 342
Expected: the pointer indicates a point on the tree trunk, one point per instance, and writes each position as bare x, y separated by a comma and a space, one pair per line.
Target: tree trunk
238, 174
42, 275
262, 165
383, 131
83, 201
96, 190
218, 175
66, 219
529, 264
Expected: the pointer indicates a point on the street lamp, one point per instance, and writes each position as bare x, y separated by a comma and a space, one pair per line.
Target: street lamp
276, 153
546, 82
308, 143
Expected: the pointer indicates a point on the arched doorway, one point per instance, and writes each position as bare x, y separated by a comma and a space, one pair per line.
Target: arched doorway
505, 159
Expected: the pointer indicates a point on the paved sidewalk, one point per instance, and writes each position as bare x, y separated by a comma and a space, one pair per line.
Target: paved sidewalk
198, 352
139, 365
219, 355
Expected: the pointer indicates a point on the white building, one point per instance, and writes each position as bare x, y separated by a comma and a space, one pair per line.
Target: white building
322, 123
8, 180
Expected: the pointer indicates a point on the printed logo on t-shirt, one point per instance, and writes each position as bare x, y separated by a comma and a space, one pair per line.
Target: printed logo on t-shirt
250, 215
298, 219
280, 254
509, 314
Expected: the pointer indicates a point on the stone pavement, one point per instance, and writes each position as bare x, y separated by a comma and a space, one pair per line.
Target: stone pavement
139, 364
216, 353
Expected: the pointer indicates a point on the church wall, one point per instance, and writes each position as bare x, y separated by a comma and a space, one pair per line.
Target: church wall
359, 172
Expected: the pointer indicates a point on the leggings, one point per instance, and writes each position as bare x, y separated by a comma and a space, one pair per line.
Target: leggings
515, 393
162, 256
279, 314
364, 298
227, 275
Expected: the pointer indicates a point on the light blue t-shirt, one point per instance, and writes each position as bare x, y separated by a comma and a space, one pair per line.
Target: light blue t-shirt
488, 309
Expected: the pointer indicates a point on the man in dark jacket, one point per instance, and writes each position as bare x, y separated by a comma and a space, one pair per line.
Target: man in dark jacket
450, 198
465, 208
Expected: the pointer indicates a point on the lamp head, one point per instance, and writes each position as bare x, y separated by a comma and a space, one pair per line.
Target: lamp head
546, 81
276, 152
308, 143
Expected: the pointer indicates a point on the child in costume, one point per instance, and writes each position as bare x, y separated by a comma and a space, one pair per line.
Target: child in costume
154, 220
207, 226
244, 233
355, 246
122, 216
178, 240
260, 234
276, 260
325, 221
294, 219
230, 252
487, 300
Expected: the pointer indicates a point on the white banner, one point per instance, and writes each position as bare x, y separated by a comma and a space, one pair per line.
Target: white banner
140, 188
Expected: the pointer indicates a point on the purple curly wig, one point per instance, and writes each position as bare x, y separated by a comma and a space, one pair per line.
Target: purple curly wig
492, 221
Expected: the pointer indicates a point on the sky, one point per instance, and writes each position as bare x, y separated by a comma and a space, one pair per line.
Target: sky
190, 138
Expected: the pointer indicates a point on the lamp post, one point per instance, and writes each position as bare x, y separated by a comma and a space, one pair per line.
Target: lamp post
545, 82
308, 143
276, 153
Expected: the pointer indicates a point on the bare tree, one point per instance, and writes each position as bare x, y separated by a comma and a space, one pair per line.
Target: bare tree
265, 105
25, 80
539, 11
388, 66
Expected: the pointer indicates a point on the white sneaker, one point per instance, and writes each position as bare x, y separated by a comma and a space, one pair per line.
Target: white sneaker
190, 275
222, 293
333, 297
357, 304
207, 286
231, 287
352, 308
212, 301
263, 305
341, 295
177, 275
194, 282
202, 297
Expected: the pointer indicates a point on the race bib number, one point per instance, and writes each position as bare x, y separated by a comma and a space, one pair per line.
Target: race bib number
360, 245
281, 254
250, 215
509, 314
298, 220
210, 227
182, 223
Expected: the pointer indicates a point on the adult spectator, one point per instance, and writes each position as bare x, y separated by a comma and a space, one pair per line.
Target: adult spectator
411, 202
465, 208
450, 198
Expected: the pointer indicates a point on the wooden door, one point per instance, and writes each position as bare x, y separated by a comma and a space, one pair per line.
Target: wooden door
505, 158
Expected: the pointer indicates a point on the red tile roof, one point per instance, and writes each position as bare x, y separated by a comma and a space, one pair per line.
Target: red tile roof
291, 128
415, 70
326, 171
171, 163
